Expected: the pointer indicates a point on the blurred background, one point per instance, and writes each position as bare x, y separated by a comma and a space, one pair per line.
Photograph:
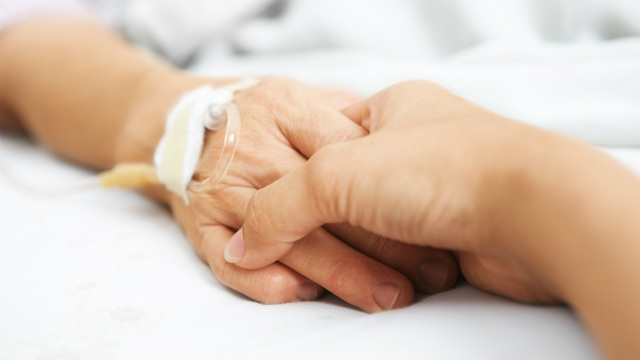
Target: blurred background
416, 30
571, 66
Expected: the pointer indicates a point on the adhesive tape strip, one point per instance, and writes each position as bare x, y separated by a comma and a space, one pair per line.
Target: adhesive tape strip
179, 149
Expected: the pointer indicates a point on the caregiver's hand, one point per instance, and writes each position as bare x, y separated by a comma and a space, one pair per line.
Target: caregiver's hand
532, 215
433, 172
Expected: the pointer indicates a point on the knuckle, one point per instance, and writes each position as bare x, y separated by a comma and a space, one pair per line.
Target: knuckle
268, 287
258, 96
273, 86
270, 94
341, 133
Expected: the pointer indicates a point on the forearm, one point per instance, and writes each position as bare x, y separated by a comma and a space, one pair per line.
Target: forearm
582, 235
84, 92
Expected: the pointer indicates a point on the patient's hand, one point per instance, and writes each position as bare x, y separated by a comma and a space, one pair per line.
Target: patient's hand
283, 123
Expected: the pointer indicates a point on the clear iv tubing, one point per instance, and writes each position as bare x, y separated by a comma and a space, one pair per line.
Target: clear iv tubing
231, 137
74, 186
132, 175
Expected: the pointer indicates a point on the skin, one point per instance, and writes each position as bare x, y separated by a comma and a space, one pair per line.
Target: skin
531, 215
90, 97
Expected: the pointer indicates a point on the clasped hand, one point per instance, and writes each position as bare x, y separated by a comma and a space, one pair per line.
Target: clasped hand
283, 124
436, 171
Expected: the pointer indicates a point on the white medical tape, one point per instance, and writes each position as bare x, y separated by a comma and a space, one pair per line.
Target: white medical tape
180, 147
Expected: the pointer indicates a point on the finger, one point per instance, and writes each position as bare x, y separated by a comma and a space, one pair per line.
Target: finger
289, 209
273, 284
262, 234
430, 270
505, 277
224, 205
398, 105
359, 113
262, 161
304, 116
310, 128
370, 113
349, 274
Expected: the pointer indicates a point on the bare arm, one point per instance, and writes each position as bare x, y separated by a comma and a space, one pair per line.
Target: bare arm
81, 90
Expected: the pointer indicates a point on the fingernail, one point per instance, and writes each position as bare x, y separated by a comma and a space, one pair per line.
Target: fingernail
434, 273
386, 295
308, 292
234, 251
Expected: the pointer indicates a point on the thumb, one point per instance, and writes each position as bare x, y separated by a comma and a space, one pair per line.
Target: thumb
406, 103
289, 209
359, 113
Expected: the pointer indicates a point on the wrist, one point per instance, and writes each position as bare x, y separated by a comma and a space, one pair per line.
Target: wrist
573, 223
545, 205
157, 92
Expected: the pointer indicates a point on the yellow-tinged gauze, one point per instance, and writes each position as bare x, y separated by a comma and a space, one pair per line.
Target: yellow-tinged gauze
129, 176
172, 165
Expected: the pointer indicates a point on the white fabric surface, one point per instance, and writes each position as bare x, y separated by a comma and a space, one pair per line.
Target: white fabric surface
107, 274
